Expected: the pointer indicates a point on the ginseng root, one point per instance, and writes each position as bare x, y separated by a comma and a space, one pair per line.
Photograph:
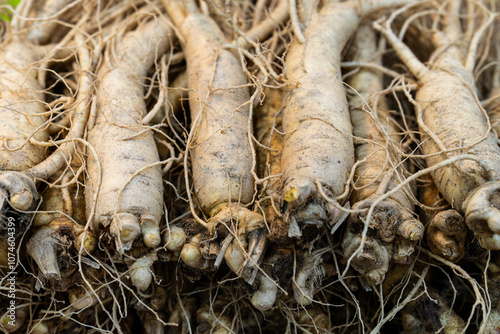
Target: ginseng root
447, 107
392, 229
318, 147
221, 154
124, 189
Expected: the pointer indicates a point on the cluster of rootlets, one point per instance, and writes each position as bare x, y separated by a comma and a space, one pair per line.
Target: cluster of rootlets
250, 166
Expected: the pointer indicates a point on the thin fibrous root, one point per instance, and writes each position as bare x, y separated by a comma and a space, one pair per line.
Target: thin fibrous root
482, 214
47, 241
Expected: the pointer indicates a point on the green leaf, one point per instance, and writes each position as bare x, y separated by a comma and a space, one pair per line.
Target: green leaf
6, 15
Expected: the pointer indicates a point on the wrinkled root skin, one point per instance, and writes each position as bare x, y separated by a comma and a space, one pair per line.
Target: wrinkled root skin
49, 246
482, 214
447, 235
18, 190
392, 236
242, 249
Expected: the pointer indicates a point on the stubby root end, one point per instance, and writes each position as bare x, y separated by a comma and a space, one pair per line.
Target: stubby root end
124, 228
447, 235
175, 238
482, 214
140, 271
265, 297
20, 188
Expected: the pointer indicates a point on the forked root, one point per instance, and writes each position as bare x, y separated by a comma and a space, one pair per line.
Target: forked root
125, 227
482, 214
48, 241
392, 235
242, 248
18, 189
447, 235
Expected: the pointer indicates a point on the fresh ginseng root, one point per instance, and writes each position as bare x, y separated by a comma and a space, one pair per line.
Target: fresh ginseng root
124, 190
221, 152
23, 113
391, 231
61, 223
318, 151
446, 106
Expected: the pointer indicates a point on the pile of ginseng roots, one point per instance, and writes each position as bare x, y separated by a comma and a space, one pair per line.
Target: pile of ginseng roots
249, 166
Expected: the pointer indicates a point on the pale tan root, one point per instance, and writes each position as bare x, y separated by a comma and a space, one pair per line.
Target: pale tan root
447, 106
425, 315
318, 146
276, 267
392, 231
49, 240
265, 297
373, 261
81, 299
42, 31
446, 228
191, 253
22, 115
130, 197
175, 238
219, 144
140, 271
268, 131
18, 190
